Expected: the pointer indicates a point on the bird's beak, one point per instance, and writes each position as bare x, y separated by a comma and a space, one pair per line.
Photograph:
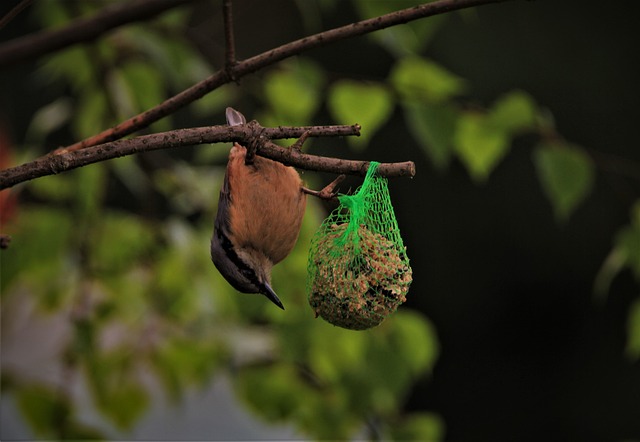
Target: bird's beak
269, 293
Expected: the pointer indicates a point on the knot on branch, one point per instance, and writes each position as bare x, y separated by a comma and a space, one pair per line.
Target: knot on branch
255, 141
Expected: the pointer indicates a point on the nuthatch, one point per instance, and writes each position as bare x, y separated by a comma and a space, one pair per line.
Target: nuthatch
258, 221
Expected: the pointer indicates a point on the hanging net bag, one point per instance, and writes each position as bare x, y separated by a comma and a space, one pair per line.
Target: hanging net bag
358, 271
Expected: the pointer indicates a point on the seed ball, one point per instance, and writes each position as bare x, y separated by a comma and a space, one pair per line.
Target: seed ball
360, 281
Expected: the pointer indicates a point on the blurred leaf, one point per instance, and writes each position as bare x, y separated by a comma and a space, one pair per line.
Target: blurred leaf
433, 127
628, 244
275, 391
51, 14
633, 331
164, 46
44, 409
566, 175
44, 235
415, 341
145, 85
335, 351
92, 114
71, 64
612, 265
48, 119
514, 112
118, 241
293, 92
54, 188
368, 104
409, 38
91, 183
625, 253
212, 103
75, 431
419, 79
480, 145
125, 404
186, 362
327, 417
116, 390
418, 426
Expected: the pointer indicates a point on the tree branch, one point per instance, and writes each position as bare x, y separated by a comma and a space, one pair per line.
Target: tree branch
63, 160
295, 158
17, 9
82, 30
229, 39
250, 65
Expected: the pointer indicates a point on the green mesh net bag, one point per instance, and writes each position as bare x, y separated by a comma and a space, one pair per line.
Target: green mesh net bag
358, 271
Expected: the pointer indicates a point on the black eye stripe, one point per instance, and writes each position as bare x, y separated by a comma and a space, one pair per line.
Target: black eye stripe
242, 266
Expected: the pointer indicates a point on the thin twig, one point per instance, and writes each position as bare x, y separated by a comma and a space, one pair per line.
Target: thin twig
64, 160
17, 9
229, 39
250, 65
300, 141
82, 30
327, 192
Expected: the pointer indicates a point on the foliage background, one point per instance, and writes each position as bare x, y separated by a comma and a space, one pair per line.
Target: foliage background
505, 262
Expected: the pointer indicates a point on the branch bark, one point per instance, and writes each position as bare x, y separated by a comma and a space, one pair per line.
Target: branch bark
62, 161
82, 30
229, 37
253, 64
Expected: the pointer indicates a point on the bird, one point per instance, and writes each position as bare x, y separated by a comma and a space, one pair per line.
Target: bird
259, 217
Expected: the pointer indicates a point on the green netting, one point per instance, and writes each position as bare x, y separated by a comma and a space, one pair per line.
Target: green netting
358, 271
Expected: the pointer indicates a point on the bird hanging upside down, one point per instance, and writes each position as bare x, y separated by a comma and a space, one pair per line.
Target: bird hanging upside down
259, 216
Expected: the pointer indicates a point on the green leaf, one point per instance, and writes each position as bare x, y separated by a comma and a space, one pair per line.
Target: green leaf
625, 253
54, 188
275, 391
433, 127
368, 104
628, 243
119, 241
91, 113
293, 92
480, 145
633, 331
116, 390
145, 84
566, 174
183, 362
45, 236
125, 404
91, 183
419, 79
415, 341
43, 408
335, 351
514, 112
419, 426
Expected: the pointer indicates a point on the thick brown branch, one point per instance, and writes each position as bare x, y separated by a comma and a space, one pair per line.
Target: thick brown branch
248, 66
63, 161
82, 30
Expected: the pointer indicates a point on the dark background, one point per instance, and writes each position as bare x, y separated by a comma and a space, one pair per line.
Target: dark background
527, 352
